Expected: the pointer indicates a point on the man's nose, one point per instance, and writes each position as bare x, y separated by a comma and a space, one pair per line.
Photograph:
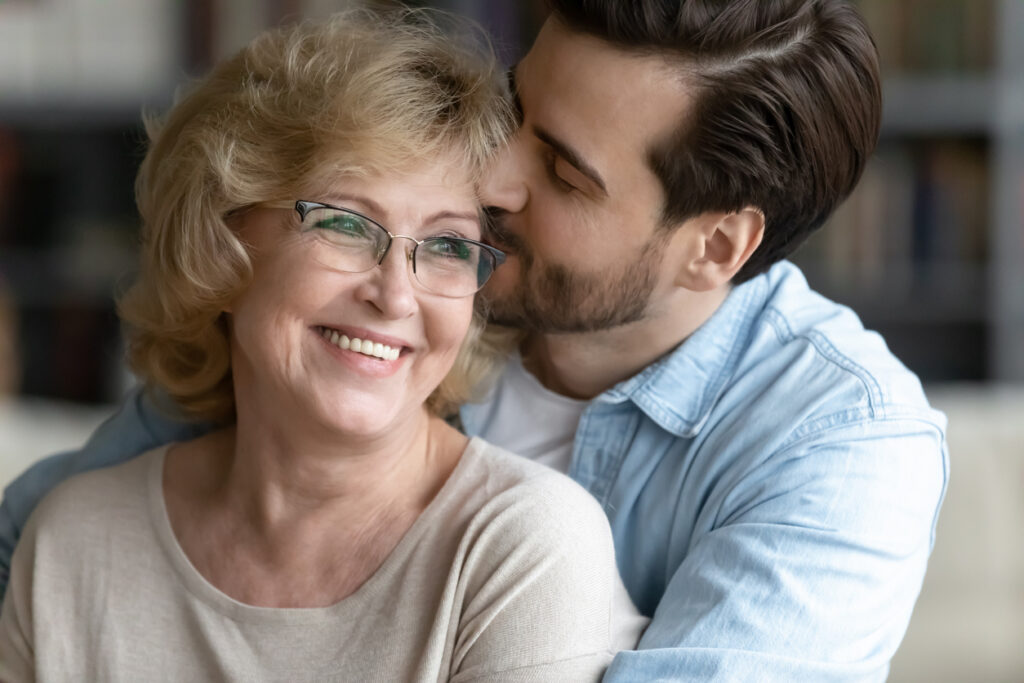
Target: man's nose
505, 185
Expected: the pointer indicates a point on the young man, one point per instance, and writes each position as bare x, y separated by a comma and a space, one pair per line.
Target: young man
771, 473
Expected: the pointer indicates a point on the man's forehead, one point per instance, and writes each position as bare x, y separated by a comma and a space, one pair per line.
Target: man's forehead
563, 61
584, 89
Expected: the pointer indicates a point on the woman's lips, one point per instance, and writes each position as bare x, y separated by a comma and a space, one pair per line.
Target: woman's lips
367, 347
363, 361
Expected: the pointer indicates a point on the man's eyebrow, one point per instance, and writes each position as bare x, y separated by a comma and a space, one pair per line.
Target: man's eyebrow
573, 157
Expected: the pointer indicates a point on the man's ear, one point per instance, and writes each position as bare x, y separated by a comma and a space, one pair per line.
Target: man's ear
722, 243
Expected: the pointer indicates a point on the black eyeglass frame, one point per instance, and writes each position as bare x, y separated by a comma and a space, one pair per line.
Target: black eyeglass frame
303, 207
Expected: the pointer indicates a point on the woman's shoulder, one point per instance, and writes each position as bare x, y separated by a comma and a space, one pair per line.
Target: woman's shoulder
92, 500
538, 553
527, 499
505, 470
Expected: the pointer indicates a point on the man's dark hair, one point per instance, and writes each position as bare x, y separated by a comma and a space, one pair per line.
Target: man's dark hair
787, 105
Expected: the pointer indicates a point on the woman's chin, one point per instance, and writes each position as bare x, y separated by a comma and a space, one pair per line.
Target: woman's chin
363, 416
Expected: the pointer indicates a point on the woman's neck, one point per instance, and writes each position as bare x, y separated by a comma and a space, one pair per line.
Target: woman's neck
280, 473
308, 521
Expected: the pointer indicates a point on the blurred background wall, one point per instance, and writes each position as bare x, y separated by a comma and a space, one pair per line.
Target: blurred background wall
929, 250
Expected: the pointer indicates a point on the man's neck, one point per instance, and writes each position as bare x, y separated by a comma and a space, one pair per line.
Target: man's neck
584, 365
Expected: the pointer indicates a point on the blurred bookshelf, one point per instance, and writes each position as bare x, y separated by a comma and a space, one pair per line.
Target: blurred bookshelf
75, 76
75, 79
929, 249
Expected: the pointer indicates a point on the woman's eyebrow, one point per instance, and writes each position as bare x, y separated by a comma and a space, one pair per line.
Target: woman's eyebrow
472, 216
379, 210
335, 198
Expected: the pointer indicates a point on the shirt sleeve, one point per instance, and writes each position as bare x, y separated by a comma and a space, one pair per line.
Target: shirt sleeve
541, 600
138, 426
811, 568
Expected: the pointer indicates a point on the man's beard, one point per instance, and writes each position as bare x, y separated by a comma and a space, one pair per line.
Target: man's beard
551, 298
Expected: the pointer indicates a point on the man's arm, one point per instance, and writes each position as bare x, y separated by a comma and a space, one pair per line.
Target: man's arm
812, 569
137, 427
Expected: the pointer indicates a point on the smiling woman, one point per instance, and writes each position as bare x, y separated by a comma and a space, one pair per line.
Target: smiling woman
310, 258
307, 280
282, 121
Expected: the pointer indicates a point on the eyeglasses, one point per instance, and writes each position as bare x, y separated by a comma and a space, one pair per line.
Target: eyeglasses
446, 266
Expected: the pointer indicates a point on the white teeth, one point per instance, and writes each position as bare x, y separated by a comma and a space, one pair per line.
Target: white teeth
367, 348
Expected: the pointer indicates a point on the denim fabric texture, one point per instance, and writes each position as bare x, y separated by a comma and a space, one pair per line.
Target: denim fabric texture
773, 486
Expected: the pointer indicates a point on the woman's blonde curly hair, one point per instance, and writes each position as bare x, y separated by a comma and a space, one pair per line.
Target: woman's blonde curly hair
366, 91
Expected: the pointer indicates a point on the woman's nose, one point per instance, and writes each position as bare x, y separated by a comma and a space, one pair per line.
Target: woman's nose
504, 186
390, 287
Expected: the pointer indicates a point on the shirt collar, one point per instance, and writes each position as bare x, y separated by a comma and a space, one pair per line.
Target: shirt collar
679, 391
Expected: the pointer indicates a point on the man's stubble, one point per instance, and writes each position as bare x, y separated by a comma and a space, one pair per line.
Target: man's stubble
553, 299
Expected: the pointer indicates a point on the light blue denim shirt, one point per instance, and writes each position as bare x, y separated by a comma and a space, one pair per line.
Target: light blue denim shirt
773, 486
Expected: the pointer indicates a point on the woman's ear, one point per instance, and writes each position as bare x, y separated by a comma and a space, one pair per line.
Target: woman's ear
721, 245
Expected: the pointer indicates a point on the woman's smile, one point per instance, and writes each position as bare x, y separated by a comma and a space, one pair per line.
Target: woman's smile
366, 343
367, 353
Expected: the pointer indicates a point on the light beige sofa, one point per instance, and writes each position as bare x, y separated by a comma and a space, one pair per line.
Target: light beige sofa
968, 625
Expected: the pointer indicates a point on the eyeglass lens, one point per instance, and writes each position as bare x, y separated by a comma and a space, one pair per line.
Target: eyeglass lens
448, 266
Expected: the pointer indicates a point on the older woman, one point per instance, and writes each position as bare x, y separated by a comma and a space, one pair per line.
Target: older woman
310, 258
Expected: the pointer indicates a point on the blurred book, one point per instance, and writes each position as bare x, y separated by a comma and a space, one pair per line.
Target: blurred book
68, 52
924, 36
919, 213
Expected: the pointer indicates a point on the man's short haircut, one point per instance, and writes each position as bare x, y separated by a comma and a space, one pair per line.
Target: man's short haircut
364, 92
787, 105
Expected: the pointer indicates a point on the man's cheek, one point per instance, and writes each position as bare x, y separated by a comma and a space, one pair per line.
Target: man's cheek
506, 279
